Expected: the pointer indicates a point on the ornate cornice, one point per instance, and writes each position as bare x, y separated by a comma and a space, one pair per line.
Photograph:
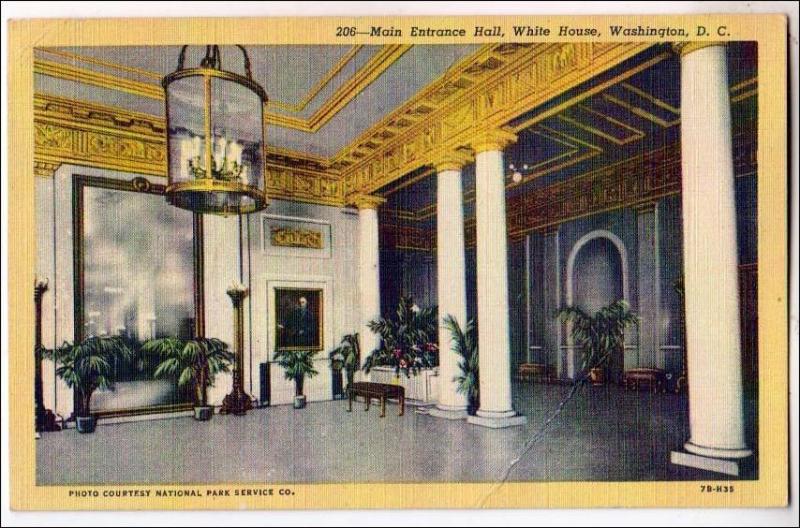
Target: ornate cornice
67, 131
480, 94
75, 132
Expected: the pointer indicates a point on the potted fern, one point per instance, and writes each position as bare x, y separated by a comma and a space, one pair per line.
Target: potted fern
466, 346
347, 357
599, 335
297, 366
86, 367
408, 339
192, 363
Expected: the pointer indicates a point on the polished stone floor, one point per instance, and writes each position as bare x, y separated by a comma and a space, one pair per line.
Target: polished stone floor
605, 434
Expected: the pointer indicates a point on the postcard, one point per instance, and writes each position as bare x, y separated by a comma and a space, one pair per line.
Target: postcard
398, 262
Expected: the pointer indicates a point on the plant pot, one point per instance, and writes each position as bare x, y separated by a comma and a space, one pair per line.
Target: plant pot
299, 402
597, 376
86, 424
472, 408
203, 413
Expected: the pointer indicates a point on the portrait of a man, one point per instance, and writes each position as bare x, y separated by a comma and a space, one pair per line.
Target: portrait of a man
298, 318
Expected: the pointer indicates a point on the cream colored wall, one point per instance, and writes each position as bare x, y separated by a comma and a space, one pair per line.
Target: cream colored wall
336, 274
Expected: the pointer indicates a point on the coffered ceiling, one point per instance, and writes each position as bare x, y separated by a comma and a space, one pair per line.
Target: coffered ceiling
321, 97
635, 112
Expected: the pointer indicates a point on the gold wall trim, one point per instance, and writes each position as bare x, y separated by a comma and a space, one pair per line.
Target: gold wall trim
107, 137
341, 97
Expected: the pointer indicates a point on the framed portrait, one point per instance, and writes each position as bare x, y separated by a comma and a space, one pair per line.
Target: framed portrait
298, 319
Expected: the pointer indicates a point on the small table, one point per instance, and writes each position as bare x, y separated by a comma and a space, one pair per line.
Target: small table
654, 378
381, 391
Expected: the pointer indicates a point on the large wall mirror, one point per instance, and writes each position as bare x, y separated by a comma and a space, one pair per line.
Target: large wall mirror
137, 264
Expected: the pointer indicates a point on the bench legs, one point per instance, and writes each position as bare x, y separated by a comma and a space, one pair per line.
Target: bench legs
368, 400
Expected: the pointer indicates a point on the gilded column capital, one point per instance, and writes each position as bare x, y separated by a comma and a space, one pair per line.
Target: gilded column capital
451, 160
685, 48
44, 169
365, 201
495, 139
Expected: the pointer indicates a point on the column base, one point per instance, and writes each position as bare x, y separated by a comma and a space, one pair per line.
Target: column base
498, 420
449, 412
726, 466
716, 452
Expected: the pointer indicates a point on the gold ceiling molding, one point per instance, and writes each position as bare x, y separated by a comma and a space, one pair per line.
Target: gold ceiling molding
484, 93
100, 62
296, 107
68, 72
107, 137
342, 96
321, 84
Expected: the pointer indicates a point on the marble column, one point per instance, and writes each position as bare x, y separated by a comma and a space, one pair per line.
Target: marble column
716, 418
649, 274
494, 343
368, 269
451, 280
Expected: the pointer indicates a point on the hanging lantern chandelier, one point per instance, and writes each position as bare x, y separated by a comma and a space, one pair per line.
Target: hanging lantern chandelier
215, 137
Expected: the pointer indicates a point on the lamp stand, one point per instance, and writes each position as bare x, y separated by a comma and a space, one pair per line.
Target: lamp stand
238, 402
45, 419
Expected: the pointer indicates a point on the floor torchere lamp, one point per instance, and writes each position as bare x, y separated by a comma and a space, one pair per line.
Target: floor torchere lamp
238, 402
45, 419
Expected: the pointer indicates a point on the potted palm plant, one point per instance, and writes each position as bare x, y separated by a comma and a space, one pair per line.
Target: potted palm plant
86, 367
347, 357
598, 336
191, 362
465, 344
408, 340
297, 365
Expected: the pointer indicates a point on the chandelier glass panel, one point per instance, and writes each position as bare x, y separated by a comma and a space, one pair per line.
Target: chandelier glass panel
216, 137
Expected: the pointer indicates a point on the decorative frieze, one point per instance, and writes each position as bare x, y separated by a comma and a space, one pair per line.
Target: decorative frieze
477, 96
69, 131
296, 237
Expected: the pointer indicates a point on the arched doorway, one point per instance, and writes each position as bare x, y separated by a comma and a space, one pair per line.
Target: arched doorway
597, 275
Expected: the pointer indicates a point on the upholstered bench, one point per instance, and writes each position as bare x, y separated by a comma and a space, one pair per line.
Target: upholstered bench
654, 379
